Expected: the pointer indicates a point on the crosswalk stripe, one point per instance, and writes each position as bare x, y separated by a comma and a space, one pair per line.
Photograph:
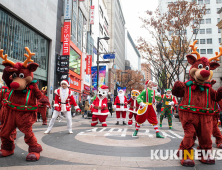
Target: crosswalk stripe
102, 129
180, 137
111, 129
147, 133
92, 130
124, 132
165, 134
120, 130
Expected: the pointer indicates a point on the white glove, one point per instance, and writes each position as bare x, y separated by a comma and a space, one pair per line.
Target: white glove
142, 104
114, 107
171, 103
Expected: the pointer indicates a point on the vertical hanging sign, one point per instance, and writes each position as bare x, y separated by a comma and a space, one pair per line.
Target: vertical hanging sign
88, 64
66, 38
92, 12
68, 8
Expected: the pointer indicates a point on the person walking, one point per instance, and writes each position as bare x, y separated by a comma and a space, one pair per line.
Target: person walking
110, 105
63, 101
86, 107
158, 108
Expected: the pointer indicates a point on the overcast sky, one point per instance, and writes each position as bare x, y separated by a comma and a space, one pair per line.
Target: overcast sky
133, 9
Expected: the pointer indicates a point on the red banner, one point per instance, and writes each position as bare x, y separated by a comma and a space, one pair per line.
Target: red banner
66, 38
92, 14
87, 88
88, 64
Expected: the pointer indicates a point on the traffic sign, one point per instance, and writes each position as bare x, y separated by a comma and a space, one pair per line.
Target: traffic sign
109, 56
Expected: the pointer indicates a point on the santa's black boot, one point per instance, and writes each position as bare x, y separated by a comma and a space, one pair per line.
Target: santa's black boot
117, 123
124, 123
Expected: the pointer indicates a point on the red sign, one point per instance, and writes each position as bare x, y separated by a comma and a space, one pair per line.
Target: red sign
88, 64
92, 12
87, 88
66, 38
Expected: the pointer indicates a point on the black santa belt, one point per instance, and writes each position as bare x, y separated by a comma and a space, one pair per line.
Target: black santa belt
120, 104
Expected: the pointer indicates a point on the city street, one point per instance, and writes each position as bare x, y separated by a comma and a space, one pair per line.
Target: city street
99, 148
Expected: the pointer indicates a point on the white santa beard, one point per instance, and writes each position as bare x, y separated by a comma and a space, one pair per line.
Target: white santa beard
120, 94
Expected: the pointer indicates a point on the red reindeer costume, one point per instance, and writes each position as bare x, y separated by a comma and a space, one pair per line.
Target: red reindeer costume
20, 105
133, 106
196, 110
120, 105
99, 107
63, 101
42, 108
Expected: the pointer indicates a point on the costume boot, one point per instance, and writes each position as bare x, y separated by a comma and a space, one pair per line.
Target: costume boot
124, 123
117, 123
158, 135
135, 133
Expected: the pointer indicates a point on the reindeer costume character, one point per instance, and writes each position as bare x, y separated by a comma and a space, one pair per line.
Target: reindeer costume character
99, 107
20, 105
63, 101
146, 99
196, 110
42, 108
120, 105
133, 106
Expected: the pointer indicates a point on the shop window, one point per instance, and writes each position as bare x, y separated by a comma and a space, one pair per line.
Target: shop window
15, 36
202, 41
208, 21
74, 61
209, 51
209, 41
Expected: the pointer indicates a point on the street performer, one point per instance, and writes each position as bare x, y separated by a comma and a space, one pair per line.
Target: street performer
168, 101
63, 101
146, 99
133, 106
120, 105
99, 107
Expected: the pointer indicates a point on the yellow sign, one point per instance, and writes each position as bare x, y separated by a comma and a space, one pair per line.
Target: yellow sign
188, 154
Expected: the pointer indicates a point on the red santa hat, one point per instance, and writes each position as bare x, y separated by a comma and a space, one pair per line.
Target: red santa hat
65, 82
147, 83
104, 88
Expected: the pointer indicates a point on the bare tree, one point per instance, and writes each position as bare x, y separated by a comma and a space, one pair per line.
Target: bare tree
167, 55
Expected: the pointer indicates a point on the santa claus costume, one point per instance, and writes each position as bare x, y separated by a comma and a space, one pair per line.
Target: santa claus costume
63, 101
120, 105
99, 107
146, 111
133, 106
168, 101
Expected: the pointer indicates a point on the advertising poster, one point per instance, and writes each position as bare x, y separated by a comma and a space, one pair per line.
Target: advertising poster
102, 75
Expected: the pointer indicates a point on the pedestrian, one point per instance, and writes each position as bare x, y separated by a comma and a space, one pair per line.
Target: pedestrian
110, 105
83, 108
86, 107
63, 101
158, 108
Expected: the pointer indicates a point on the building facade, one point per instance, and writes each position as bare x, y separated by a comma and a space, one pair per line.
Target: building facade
131, 53
146, 72
37, 30
116, 32
208, 35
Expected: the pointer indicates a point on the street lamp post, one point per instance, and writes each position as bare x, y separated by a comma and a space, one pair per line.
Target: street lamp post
105, 38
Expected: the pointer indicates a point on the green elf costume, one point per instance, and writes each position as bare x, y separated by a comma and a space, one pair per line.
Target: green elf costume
168, 101
146, 111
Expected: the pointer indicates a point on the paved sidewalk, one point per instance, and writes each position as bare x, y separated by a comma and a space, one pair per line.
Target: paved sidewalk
98, 148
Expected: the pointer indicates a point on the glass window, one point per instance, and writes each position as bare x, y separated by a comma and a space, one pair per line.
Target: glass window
219, 30
209, 41
218, 9
170, 32
197, 41
100, 47
80, 30
202, 41
106, 23
200, 2
15, 36
207, 1
209, 30
74, 22
101, 11
219, 40
195, 31
202, 31
209, 51
208, 21
84, 34
198, 50
202, 51
208, 11
74, 61
202, 21
218, 20
218, 1
101, 29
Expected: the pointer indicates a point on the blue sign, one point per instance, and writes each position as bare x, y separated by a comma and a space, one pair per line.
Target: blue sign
109, 56
51, 87
95, 51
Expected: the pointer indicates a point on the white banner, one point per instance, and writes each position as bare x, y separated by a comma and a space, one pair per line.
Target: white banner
68, 9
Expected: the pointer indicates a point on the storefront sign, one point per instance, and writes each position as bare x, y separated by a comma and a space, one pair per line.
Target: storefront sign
63, 76
62, 64
75, 83
68, 8
87, 88
88, 64
92, 14
66, 38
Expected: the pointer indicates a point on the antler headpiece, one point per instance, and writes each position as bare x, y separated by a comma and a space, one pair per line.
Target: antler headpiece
195, 50
217, 56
